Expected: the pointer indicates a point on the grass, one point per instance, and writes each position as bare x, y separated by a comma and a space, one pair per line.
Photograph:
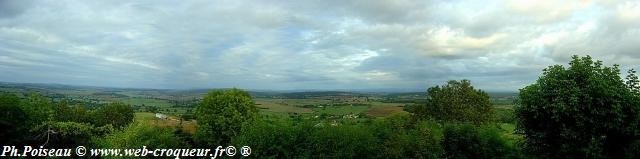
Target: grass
342, 110
275, 106
146, 102
282, 106
508, 132
144, 117
171, 122
385, 111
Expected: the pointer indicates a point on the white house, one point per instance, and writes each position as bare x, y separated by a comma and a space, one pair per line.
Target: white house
161, 116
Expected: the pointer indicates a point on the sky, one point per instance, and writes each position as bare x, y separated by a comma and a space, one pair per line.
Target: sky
308, 44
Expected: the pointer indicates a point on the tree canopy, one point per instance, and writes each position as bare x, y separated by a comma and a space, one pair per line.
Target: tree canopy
117, 114
222, 114
583, 111
456, 101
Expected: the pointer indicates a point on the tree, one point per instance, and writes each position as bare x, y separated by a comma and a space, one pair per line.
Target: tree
66, 113
583, 111
61, 111
222, 114
38, 109
65, 134
632, 81
116, 114
456, 101
12, 120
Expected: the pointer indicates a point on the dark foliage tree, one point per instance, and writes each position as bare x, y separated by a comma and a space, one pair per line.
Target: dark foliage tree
64, 113
632, 81
456, 101
583, 111
222, 114
117, 114
12, 120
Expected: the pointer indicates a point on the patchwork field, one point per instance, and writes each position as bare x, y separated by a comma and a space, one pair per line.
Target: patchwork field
171, 121
327, 106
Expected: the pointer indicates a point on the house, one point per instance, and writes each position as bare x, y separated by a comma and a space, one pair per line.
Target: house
161, 116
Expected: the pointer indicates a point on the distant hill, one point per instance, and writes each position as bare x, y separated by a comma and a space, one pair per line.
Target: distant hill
125, 92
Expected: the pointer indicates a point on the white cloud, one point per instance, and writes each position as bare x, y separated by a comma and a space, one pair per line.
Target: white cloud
318, 44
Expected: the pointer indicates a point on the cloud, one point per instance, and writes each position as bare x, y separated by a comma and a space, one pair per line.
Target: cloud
318, 44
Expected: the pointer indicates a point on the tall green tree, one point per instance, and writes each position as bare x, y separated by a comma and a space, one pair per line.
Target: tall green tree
116, 114
583, 111
456, 101
222, 114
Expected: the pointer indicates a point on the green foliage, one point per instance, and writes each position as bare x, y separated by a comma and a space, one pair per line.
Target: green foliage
505, 115
394, 137
467, 141
66, 134
584, 111
64, 113
222, 114
38, 108
141, 134
632, 81
117, 114
402, 138
344, 141
12, 120
277, 138
456, 101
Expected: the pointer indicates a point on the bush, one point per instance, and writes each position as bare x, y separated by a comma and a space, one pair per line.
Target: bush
344, 141
286, 139
276, 138
422, 141
141, 134
66, 134
394, 137
467, 141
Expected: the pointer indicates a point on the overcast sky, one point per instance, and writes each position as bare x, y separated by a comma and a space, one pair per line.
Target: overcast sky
314, 44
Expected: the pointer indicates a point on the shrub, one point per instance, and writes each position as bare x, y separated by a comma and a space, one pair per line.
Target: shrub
468, 141
141, 134
276, 138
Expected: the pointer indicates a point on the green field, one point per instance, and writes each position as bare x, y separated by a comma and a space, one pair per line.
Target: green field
146, 102
272, 106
